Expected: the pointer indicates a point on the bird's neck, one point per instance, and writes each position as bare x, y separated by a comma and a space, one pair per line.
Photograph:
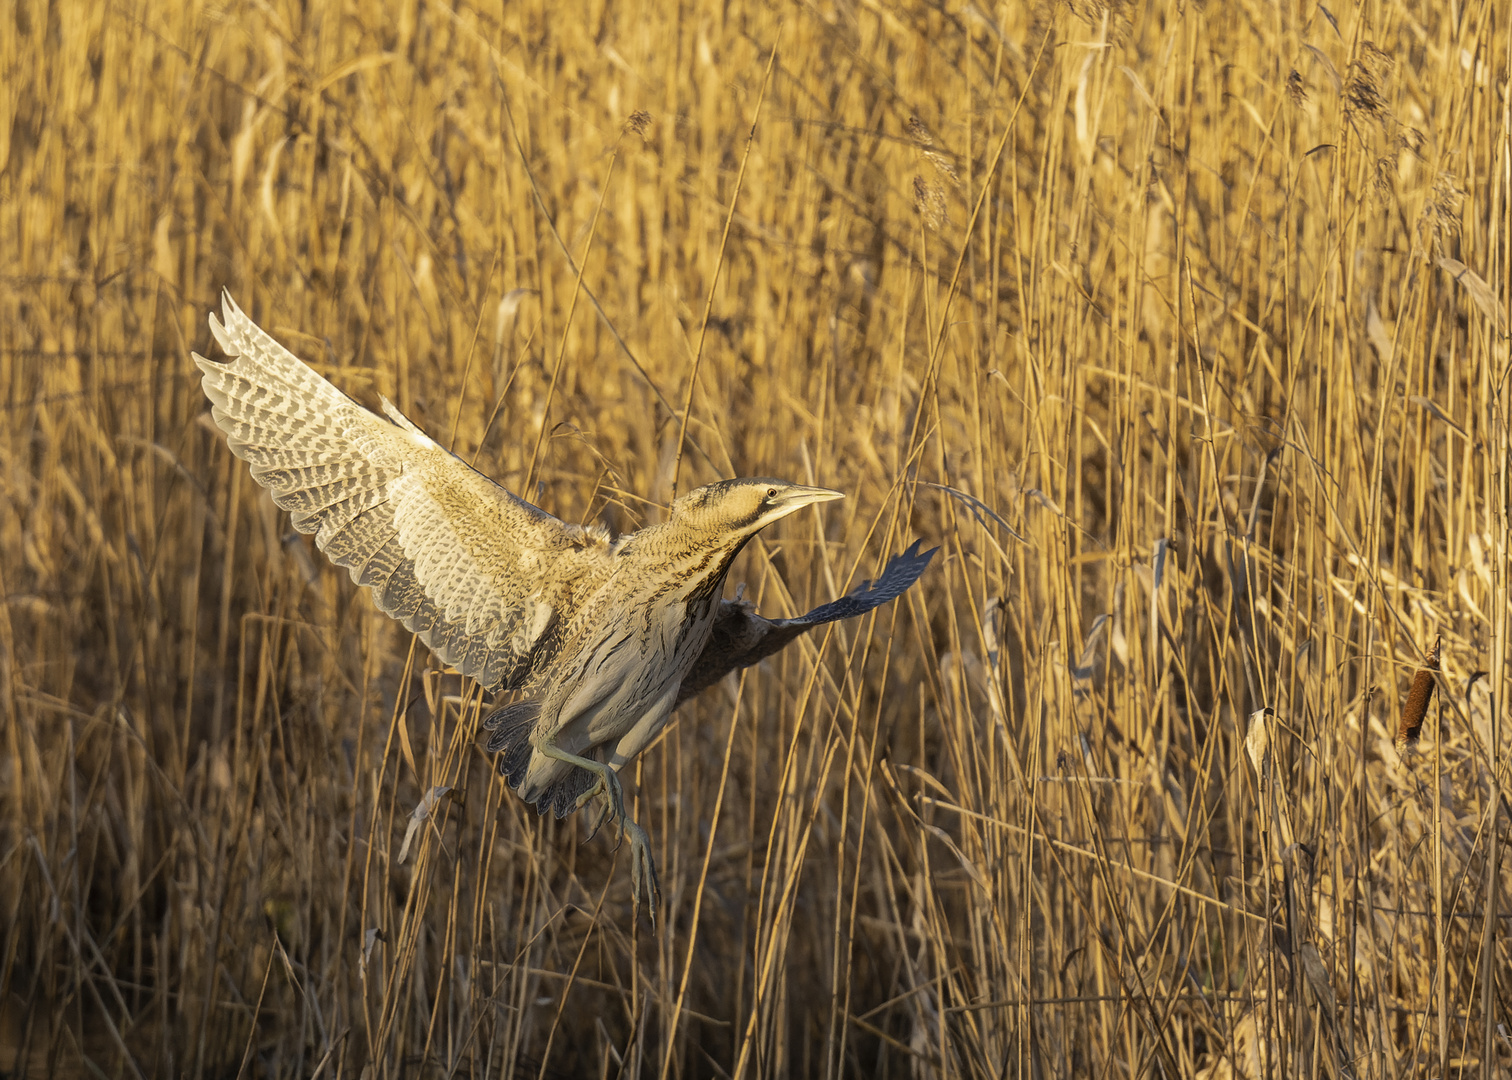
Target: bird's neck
675, 541
696, 559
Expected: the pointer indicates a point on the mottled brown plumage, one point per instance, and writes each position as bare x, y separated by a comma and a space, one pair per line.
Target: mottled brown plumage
604, 635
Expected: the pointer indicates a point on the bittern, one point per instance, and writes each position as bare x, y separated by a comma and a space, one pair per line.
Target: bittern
605, 635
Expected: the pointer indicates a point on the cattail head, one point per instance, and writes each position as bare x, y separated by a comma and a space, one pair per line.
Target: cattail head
1418, 698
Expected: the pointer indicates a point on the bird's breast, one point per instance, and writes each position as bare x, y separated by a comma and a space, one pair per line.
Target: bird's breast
634, 639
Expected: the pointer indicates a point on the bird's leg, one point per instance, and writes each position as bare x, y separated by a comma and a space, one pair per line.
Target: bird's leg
608, 780
642, 866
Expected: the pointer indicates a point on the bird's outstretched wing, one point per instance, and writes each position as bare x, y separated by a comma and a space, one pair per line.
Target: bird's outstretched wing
481, 575
741, 637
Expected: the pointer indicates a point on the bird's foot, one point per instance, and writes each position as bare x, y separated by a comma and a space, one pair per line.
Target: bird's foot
643, 877
588, 796
600, 817
642, 871
613, 794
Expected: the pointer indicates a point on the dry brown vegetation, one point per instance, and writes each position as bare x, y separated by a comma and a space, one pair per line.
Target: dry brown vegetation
1180, 327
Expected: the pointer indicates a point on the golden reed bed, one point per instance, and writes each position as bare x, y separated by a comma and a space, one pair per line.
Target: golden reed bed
1181, 328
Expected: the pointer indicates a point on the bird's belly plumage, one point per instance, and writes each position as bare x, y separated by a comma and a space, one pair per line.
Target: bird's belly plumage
614, 698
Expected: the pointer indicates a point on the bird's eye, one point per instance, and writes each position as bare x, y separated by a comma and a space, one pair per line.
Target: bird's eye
771, 493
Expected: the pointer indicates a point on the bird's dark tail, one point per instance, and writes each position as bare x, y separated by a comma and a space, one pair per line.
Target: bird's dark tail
509, 728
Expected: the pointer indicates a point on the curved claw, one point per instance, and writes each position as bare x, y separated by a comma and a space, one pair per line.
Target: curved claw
609, 786
642, 871
598, 821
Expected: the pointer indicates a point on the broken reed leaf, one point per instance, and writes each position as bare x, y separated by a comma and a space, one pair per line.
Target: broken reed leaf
370, 937
1138, 86
1328, 67
507, 311
979, 510
1257, 741
1418, 698
1086, 663
1163, 548
1438, 414
1481, 293
420, 814
1318, 980
971, 868
1376, 331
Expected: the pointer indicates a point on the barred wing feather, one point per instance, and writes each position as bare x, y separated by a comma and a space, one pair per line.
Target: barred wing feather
741, 637
481, 575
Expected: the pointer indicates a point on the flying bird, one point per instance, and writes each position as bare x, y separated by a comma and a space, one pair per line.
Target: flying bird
605, 635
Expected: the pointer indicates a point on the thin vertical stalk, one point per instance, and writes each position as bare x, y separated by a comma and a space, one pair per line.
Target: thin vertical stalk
724, 239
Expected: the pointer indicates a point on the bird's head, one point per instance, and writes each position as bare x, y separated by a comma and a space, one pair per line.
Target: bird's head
742, 508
